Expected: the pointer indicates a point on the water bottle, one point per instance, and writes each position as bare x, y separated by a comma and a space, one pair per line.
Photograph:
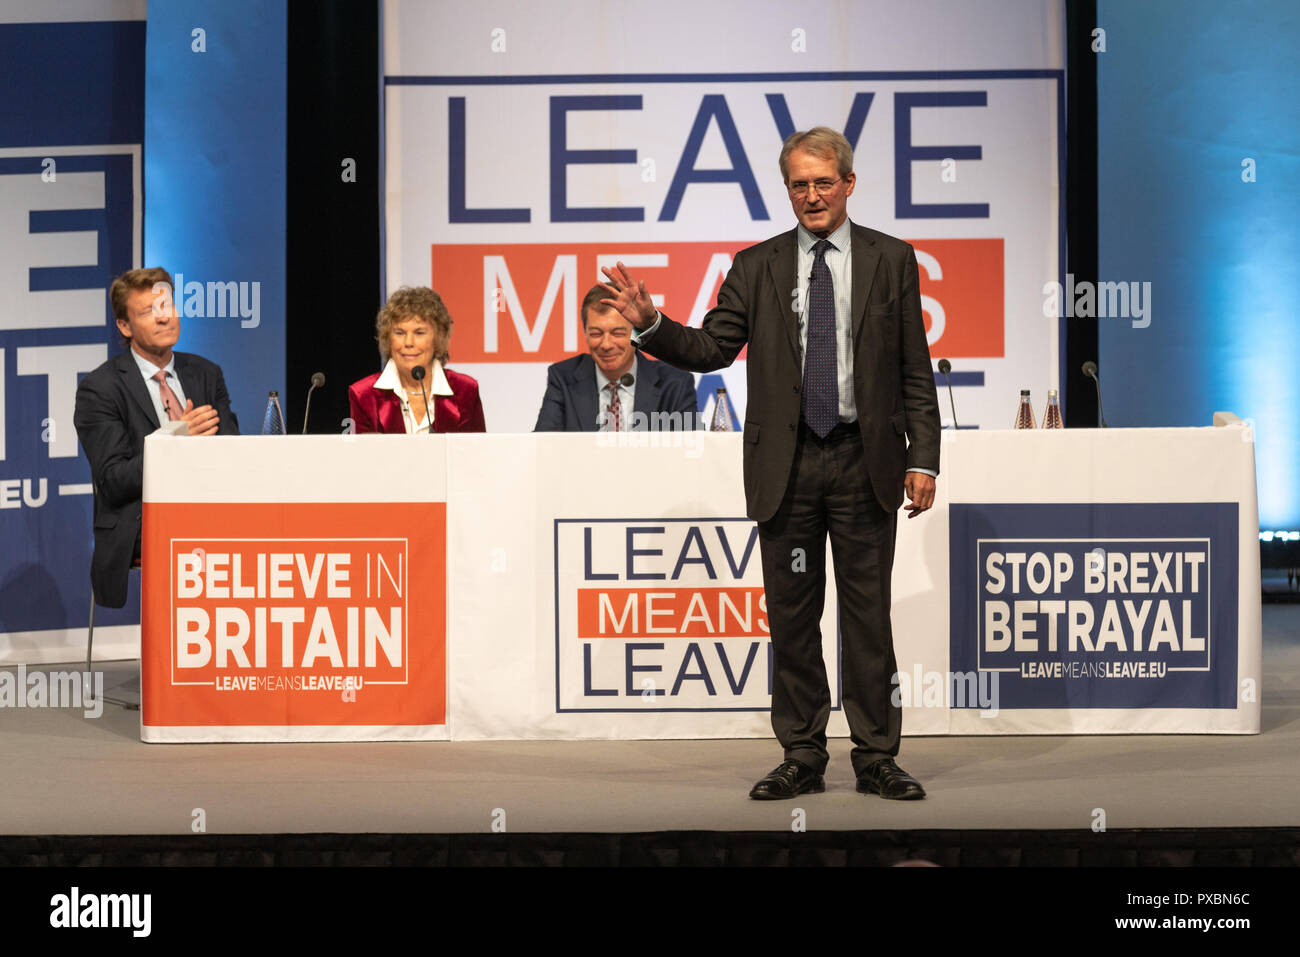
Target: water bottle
722, 415
1025, 413
273, 421
1052, 414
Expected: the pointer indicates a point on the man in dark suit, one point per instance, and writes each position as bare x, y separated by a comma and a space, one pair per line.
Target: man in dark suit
842, 418
124, 400
612, 389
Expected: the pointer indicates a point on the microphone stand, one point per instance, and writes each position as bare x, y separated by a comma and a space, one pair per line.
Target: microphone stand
317, 380
419, 374
945, 367
1090, 370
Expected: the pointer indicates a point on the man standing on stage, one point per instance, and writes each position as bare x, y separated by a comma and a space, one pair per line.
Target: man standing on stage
842, 418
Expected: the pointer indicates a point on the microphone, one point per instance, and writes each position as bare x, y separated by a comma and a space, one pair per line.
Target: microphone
317, 380
1090, 370
944, 368
627, 380
419, 373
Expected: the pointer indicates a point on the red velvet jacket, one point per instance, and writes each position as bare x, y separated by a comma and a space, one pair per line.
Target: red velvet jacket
379, 410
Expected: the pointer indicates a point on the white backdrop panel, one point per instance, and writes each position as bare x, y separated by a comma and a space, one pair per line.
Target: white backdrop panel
523, 142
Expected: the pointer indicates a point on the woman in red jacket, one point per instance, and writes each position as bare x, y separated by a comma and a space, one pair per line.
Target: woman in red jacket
413, 329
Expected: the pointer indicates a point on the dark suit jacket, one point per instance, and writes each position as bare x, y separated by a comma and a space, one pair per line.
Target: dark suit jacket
892, 378
571, 403
380, 410
113, 415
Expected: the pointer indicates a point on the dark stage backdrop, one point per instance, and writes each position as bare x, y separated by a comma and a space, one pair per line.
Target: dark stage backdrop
334, 198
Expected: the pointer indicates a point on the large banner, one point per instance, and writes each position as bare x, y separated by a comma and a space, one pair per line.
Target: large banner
1075, 604
507, 586
71, 166
607, 587
526, 150
73, 171
282, 610
660, 614
610, 587
1098, 605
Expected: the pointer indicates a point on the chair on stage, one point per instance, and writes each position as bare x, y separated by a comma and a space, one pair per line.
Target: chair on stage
90, 640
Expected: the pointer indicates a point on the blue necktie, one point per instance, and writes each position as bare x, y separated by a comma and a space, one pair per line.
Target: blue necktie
820, 407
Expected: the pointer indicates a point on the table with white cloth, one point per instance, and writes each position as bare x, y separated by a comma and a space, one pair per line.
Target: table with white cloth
609, 586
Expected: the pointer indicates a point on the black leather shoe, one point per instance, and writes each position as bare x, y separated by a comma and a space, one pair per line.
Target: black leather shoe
890, 781
791, 778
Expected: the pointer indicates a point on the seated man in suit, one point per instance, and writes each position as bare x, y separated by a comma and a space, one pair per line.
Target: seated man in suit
124, 400
613, 389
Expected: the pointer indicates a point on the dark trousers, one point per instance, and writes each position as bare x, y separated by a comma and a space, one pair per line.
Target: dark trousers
829, 493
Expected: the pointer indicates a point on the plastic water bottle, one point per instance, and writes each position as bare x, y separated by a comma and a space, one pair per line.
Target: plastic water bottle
1052, 414
273, 421
1025, 413
722, 414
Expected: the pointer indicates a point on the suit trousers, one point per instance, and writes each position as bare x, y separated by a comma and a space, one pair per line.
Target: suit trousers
829, 493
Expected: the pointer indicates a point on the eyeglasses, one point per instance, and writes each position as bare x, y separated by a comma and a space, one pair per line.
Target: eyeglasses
822, 186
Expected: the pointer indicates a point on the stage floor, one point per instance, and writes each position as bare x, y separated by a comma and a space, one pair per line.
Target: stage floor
65, 774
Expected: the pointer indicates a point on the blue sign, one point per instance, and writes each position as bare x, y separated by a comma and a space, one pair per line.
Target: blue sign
1097, 605
71, 155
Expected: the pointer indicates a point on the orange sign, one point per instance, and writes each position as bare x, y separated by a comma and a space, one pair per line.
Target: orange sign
521, 302
294, 614
672, 612
961, 293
